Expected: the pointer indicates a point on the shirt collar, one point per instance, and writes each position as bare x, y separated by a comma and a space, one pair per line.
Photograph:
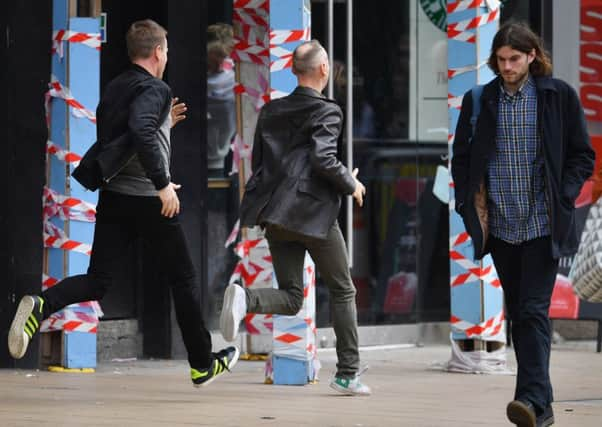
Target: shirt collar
525, 88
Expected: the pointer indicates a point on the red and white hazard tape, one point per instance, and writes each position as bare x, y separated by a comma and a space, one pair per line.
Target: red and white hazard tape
453, 72
233, 234
251, 272
252, 4
286, 36
92, 40
285, 59
66, 207
454, 101
260, 99
472, 23
253, 35
487, 329
64, 155
252, 17
57, 90
54, 237
71, 321
49, 282
244, 52
463, 36
241, 151
464, 5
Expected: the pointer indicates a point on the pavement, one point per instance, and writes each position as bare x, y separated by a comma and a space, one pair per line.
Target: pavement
407, 391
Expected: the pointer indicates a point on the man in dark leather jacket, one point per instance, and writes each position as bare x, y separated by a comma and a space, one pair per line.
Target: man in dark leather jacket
137, 198
295, 193
516, 180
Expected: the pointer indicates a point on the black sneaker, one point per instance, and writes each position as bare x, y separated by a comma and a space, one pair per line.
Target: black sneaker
223, 361
25, 324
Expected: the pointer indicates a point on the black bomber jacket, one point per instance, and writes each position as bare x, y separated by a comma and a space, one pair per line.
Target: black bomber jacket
129, 115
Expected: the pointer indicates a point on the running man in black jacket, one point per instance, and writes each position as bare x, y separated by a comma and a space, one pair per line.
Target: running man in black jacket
137, 198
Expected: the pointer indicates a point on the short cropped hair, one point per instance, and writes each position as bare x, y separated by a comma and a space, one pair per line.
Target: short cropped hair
519, 36
143, 37
307, 56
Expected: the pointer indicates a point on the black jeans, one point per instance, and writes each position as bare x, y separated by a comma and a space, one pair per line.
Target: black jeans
120, 219
330, 255
528, 273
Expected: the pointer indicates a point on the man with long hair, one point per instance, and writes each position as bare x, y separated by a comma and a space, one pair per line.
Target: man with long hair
137, 199
516, 180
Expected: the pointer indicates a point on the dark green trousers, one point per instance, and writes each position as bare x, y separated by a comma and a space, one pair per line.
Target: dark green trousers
330, 255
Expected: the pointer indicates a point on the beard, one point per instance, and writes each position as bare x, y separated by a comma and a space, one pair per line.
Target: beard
514, 77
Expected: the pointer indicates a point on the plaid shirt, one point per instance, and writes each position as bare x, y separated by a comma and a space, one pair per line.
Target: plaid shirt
516, 186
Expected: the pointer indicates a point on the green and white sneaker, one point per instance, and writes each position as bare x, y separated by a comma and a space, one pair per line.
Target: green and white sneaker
223, 361
26, 323
350, 386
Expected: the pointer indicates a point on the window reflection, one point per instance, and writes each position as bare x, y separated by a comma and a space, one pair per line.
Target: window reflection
221, 112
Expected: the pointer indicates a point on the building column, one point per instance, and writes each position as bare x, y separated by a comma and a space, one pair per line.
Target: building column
69, 210
477, 315
267, 33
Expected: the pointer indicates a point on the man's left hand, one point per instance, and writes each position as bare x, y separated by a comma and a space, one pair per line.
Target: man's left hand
177, 111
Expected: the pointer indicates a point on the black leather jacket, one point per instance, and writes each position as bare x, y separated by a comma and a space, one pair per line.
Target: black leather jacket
297, 180
568, 160
129, 115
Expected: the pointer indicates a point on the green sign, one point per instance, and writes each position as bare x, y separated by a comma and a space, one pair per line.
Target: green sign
436, 10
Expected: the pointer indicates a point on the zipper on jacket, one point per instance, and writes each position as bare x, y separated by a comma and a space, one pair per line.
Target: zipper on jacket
106, 180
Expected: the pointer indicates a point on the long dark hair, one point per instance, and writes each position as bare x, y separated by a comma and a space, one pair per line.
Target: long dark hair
519, 36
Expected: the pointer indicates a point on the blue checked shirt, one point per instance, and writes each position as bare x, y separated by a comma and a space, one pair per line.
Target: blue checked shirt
515, 176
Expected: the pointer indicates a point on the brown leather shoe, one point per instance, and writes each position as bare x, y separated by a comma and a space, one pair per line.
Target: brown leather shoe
521, 413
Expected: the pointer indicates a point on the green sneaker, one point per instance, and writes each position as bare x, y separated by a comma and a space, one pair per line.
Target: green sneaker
223, 361
26, 323
350, 386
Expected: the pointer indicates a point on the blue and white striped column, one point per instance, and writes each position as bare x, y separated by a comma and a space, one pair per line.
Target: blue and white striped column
476, 295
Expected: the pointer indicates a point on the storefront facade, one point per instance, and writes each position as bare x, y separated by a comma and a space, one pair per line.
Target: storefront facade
398, 137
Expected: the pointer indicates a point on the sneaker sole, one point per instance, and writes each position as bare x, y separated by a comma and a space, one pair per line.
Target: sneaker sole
227, 325
344, 391
18, 340
230, 366
520, 415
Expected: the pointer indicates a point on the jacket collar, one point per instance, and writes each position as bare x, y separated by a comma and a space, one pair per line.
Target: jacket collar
307, 91
140, 69
491, 89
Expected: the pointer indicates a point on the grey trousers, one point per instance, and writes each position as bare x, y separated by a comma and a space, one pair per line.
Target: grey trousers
330, 255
